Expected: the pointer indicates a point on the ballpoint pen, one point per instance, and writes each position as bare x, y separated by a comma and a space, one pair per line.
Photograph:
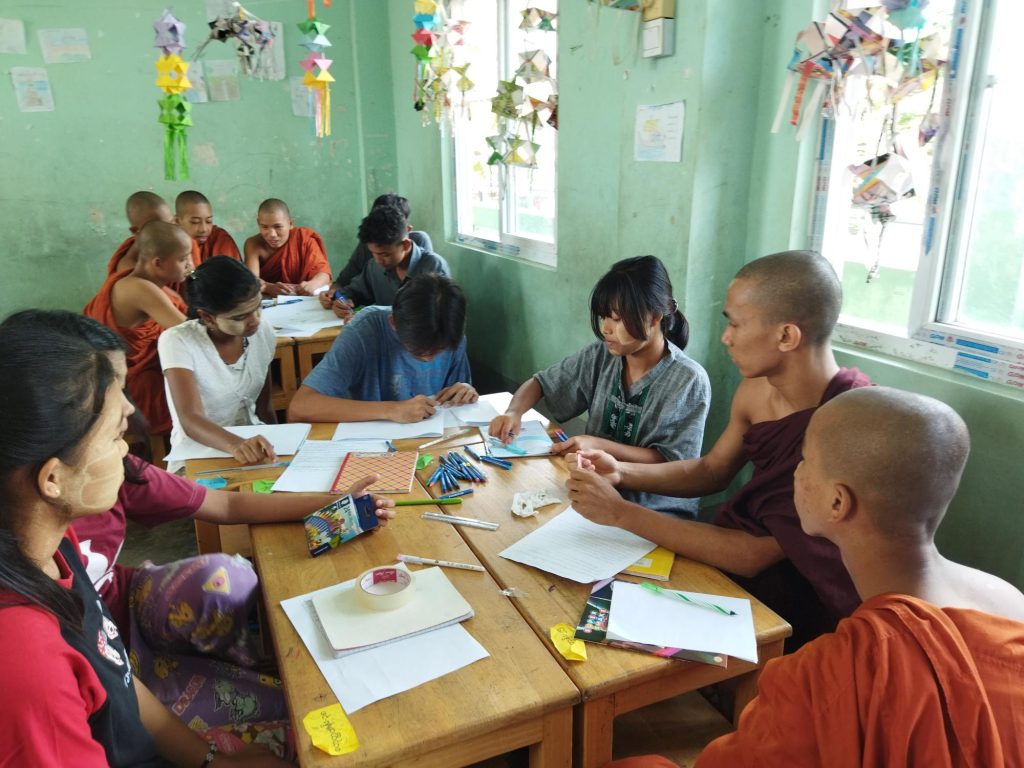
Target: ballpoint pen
694, 601
234, 470
442, 563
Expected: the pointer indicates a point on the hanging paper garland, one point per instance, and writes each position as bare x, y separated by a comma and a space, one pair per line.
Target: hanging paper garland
538, 18
175, 111
435, 40
252, 34
317, 79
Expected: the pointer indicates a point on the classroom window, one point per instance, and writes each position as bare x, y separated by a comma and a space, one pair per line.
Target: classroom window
502, 208
948, 268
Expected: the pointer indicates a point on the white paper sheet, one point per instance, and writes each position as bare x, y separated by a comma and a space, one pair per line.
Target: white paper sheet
390, 430
500, 400
478, 414
300, 316
318, 462
286, 439
643, 616
569, 545
372, 675
532, 439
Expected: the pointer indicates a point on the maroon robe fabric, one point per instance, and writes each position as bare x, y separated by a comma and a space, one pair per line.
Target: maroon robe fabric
764, 507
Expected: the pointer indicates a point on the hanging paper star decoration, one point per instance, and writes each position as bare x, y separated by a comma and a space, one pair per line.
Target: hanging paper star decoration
437, 75
172, 79
252, 35
508, 100
538, 18
533, 67
317, 79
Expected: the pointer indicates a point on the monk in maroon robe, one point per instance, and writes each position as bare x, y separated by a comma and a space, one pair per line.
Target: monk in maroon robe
287, 259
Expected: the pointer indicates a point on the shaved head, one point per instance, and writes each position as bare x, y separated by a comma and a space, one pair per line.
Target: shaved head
273, 205
798, 287
189, 198
162, 240
901, 453
144, 207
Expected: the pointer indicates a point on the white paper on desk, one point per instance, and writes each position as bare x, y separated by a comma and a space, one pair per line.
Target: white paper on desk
532, 440
642, 616
318, 462
300, 316
500, 402
286, 439
478, 414
372, 675
390, 430
569, 545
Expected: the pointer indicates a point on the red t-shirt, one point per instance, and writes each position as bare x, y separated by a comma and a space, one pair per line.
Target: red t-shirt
160, 498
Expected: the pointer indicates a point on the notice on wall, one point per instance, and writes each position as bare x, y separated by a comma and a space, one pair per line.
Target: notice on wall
32, 89
658, 134
222, 80
301, 101
197, 94
12, 36
64, 46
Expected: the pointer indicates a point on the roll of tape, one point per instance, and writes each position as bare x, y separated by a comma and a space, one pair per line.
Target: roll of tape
384, 589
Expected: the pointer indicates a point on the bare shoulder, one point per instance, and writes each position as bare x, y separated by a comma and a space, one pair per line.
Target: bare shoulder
255, 246
985, 592
753, 401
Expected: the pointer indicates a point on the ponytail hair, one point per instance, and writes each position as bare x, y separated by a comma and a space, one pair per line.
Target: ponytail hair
54, 390
218, 285
634, 289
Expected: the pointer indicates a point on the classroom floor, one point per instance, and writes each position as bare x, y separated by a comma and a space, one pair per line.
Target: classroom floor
652, 730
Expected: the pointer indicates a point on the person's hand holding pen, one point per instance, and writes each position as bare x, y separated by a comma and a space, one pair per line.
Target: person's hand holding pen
336, 302
506, 426
459, 393
414, 409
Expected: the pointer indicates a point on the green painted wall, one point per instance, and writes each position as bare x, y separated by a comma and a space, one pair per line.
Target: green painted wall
66, 174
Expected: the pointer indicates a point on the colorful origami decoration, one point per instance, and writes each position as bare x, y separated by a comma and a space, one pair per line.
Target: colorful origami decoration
437, 76
317, 79
538, 18
252, 35
172, 79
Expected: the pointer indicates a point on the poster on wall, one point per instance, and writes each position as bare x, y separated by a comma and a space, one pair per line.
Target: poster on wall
64, 46
32, 89
275, 66
222, 80
12, 36
197, 94
301, 106
658, 135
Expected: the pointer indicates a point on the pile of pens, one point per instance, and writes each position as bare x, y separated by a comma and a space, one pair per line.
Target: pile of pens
487, 458
452, 468
559, 435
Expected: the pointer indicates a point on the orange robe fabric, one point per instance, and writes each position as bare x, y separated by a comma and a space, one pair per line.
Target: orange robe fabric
298, 260
145, 378
124, 247
219, 243
900, 682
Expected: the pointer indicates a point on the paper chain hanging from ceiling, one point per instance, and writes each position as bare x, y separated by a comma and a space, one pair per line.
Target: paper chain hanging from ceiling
317, 79
518, 112
172, 79
868, 43
252, 34
436, 38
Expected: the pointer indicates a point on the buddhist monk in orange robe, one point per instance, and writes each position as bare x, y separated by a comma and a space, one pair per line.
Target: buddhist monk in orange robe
288, 260
137, 304
140, 208
929, 670
194, 214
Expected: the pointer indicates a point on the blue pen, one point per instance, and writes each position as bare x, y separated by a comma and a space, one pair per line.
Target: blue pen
338, 296
286, 303
497, 462
472, 454
434, 477
466, 467
456, 493
391, 446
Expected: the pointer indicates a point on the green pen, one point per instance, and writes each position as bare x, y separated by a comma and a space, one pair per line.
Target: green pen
691, 600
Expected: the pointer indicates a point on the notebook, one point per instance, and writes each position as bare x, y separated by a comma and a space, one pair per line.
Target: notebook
350, 628
656, 565
396, 470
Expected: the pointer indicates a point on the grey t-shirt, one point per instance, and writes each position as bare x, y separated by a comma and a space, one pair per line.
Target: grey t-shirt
664, 410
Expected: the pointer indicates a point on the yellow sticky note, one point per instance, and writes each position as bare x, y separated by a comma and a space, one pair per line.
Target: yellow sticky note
570, 647
330, 730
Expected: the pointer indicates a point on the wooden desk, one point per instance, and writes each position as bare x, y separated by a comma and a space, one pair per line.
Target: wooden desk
613, 681
309, 350
283, 374
515, 698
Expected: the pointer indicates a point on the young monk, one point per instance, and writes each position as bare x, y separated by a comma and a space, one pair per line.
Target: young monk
138, 304
781, 310
396, 259
141, 208
288, 259
397, 363
929, 670
194, 214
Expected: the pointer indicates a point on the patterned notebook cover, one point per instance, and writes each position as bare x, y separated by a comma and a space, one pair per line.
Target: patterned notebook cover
396, 470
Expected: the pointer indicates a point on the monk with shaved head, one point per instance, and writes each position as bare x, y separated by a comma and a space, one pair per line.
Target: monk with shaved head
141, 208
287, 259
194, 214
137, 304
929, 670
780, 311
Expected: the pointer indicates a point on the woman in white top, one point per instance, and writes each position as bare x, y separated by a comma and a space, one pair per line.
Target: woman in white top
217, 364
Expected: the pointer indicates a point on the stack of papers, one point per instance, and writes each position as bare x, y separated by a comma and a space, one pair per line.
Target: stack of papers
300, 316
286, 439
478, 414
571, 546
390, 430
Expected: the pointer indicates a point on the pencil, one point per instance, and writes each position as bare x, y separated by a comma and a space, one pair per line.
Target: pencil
442, 563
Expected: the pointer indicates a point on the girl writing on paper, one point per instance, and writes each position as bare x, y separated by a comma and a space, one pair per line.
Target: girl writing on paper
187, 624
217, 364
71, 696
644, 398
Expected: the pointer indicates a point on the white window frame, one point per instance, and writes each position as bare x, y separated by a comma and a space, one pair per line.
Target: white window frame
533, 251
931, 337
